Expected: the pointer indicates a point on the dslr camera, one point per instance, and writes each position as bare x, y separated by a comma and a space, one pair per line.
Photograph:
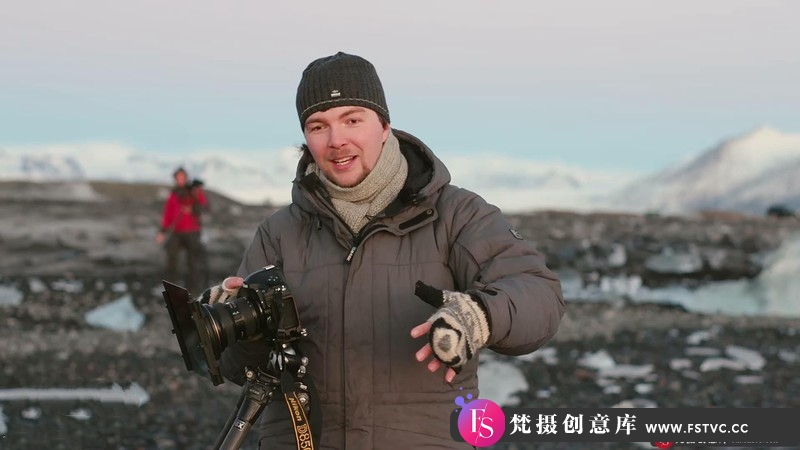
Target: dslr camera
264, 309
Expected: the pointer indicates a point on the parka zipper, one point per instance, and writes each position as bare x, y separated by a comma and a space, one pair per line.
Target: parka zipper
359, 237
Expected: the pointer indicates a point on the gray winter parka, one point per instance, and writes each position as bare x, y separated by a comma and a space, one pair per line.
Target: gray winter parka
355, 295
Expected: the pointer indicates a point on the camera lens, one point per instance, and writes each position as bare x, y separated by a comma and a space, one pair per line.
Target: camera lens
237, 320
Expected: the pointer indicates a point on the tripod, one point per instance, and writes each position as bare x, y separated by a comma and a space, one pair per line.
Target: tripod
266, 308
260, 386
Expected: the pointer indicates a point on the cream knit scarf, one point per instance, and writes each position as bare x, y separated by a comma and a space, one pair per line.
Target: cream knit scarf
357, 204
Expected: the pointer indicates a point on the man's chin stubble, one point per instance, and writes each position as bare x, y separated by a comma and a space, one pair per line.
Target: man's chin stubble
348, 186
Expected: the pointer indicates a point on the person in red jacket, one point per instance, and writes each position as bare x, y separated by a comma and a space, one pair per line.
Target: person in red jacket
181, 229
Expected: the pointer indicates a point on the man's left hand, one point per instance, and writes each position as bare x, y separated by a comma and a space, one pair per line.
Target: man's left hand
426, 352
456, 331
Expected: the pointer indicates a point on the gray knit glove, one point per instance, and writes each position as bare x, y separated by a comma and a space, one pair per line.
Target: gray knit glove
218, 293
459, 328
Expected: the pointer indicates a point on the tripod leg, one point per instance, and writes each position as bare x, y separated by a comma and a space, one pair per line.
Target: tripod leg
255, 398
229, 422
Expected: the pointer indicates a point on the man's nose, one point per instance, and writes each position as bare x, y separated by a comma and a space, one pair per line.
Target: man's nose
337, 137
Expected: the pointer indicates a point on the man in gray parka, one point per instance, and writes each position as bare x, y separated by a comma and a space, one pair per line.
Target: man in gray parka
375, 228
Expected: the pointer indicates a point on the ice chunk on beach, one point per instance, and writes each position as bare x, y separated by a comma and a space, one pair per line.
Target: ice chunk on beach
618, 256
700, 336
628, 371
36, 285
669, 295
636, 403
547, 354
788, 356
3, 426
749, 379
119, 315
68, 286
500, 381
597, 360
773, 292
31, 413
701, 351
680, 364
10, 296
721, 363
132, 395
608, 288
621, 286
80, 414
751, 358
672, 262
571, 283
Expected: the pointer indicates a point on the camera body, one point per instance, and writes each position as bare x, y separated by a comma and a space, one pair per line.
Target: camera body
264, 309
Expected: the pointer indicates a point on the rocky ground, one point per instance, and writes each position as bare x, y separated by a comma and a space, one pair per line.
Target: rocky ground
89, 253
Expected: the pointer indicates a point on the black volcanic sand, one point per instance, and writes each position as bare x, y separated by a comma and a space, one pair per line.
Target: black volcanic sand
47, 345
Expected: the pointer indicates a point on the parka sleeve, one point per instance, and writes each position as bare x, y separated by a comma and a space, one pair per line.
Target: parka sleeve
249, 353
170, 213
491, 259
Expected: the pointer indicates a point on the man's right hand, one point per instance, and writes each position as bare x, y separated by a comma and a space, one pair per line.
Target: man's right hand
222, 292
159, 238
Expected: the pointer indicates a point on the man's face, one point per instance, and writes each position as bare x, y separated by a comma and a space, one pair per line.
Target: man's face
345, 142
180, 179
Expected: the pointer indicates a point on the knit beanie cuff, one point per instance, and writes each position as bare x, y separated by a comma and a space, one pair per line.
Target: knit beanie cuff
340, 80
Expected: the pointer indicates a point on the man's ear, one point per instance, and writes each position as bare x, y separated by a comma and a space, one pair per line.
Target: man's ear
386, 130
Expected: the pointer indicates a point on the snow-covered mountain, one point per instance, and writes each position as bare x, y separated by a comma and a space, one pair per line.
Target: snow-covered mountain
249, 177
518, 185
259, 176
747, 173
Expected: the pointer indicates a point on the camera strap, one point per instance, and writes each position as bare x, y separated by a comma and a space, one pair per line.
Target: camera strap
305, 434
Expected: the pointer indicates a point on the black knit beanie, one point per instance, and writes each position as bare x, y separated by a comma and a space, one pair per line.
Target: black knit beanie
340, 80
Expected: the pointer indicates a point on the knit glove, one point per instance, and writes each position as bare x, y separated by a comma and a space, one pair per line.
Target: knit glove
459, 327
222, 292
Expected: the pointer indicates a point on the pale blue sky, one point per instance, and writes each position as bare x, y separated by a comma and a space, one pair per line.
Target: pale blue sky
614, 84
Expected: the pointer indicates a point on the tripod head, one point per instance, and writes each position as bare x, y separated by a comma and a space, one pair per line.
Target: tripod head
284, 373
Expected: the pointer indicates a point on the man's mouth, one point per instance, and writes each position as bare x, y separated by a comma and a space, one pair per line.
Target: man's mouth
343, 161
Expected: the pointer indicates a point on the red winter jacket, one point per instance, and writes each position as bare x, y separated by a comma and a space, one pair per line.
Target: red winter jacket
182, 210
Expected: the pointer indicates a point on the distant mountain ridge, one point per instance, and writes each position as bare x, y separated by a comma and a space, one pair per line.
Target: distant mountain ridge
257, 178
265, 176
745, 173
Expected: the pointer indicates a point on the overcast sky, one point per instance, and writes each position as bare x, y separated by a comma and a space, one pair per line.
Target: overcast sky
608, 84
